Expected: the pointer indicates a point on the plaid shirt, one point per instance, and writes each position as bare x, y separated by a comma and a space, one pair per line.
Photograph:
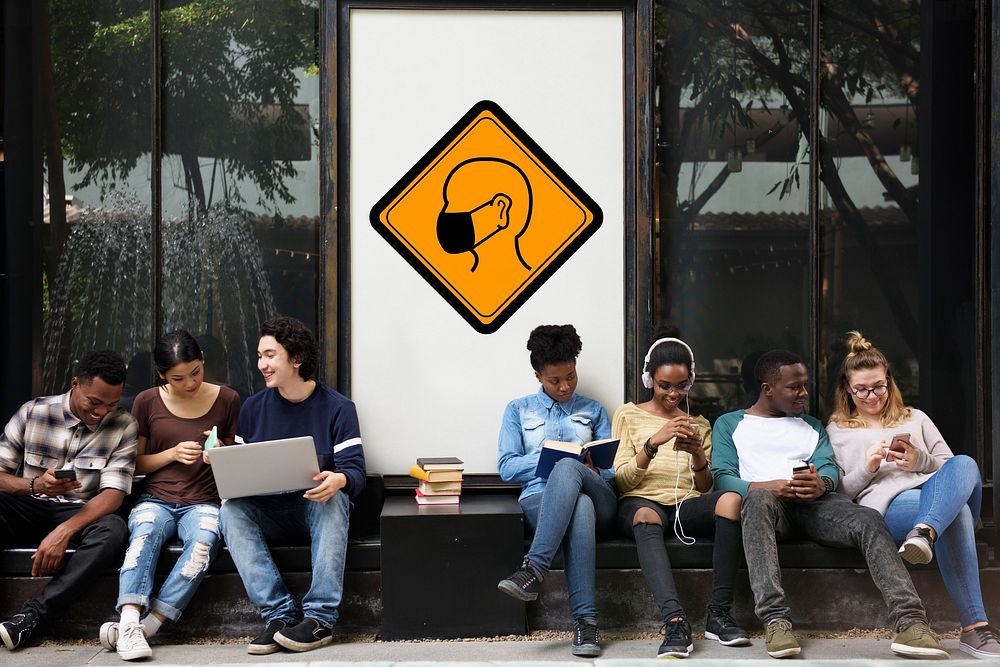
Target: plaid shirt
46, 434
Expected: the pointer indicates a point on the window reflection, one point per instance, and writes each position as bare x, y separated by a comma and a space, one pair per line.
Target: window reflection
870, 173
732, 249
240, 172
95, 91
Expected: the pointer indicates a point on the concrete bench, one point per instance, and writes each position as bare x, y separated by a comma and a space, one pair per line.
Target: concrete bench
810, 572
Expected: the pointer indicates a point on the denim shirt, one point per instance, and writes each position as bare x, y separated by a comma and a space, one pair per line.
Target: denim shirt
531, 420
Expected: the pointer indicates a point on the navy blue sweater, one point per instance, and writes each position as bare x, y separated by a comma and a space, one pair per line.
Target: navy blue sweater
329, 417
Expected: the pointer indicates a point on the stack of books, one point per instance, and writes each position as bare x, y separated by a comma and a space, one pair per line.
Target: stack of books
440, 480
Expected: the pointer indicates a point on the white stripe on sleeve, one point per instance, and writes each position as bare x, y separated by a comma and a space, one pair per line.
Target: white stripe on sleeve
345, 444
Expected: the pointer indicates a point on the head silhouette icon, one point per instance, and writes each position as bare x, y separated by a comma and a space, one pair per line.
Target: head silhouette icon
484, 198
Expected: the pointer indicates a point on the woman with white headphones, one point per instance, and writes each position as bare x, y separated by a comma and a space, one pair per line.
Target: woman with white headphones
663, 474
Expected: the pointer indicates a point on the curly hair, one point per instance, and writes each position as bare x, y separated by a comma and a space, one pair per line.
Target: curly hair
105, 364
862, 355
768, 368
553, 344
298, 341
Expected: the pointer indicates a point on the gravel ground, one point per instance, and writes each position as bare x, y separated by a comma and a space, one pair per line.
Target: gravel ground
538, 635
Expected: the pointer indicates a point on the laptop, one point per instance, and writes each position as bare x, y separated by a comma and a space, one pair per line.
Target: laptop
260, 468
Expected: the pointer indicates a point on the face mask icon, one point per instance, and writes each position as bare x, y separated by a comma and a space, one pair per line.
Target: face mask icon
457, 232
505, 196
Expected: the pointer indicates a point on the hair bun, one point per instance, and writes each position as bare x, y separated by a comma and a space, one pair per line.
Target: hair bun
857, 343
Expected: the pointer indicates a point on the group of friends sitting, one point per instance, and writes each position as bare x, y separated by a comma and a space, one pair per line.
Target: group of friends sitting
84, 431
879, 478
763, 474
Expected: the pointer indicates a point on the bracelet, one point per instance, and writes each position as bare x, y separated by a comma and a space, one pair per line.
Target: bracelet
828, 483
31, 486
650, 452
693, 469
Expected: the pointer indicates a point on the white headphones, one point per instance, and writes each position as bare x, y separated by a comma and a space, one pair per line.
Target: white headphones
647, 379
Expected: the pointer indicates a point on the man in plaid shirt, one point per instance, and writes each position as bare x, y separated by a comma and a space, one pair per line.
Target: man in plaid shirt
66, 464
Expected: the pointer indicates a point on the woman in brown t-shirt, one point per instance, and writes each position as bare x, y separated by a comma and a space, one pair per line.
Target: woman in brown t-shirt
180, 498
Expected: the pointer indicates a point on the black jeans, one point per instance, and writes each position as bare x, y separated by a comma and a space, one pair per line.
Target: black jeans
25, 520
698, 519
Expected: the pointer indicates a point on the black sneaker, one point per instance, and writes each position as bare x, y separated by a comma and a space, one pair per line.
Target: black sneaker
585, 642
676, 639
305, 636
264, 644
722, 627
17, 630
523, 584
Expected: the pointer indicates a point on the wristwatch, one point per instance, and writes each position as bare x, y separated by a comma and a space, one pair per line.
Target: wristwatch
828, 483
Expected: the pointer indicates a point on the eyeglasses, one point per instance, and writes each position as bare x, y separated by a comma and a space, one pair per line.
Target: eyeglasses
864, 392
682, 388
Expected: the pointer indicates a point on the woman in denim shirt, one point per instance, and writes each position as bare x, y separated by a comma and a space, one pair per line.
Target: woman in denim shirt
577, 500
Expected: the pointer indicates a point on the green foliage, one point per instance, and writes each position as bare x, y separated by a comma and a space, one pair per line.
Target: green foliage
231, 71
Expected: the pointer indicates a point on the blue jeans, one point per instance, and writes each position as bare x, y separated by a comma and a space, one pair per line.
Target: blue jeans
575, 504
949, 502
248, 523
152, 523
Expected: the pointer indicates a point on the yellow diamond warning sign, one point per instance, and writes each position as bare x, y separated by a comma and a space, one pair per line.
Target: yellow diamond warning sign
486, 217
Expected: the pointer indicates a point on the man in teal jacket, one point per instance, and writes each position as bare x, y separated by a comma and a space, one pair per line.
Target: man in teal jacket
780, 460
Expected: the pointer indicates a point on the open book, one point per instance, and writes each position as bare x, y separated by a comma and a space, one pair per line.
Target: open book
602, 454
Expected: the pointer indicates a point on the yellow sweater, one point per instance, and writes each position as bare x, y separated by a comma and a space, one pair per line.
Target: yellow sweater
669, 469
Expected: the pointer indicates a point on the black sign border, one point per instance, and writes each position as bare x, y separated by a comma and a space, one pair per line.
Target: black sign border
539, 154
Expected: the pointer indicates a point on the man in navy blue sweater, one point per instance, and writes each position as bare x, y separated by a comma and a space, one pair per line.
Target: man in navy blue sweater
295, 404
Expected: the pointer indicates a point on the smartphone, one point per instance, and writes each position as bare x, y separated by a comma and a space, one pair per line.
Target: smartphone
694, 438
897, 444
802, 468
213, 439
65, 473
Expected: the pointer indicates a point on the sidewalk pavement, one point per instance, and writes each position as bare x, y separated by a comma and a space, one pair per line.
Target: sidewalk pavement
617, 653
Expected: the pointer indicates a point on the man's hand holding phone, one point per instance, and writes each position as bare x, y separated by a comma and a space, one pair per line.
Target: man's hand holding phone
806, 482
57, 482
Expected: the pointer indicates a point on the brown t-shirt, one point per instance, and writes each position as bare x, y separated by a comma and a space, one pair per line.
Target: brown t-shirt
176, 482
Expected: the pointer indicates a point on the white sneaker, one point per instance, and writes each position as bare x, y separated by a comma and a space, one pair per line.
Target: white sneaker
132, 643
109, 635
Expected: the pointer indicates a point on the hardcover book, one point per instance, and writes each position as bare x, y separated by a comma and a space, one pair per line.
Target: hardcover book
602, 454
441, 463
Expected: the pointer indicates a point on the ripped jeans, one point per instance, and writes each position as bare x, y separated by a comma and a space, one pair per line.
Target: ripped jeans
152, 524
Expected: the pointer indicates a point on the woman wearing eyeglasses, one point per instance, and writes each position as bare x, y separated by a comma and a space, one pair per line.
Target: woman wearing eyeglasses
896, 461
663, 474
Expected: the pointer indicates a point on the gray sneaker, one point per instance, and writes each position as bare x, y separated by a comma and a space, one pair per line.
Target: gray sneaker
982, 642
918, 548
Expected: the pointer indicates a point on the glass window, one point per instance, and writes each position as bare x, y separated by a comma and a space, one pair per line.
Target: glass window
897, 200
240, 174
732, 249
96, 234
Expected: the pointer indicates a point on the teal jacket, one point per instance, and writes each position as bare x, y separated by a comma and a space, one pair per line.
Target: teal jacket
726, 460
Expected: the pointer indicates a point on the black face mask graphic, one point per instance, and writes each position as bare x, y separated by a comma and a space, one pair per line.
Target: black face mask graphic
456, 232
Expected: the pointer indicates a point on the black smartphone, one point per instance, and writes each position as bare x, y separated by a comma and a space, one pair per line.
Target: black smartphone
65, 473
802, 468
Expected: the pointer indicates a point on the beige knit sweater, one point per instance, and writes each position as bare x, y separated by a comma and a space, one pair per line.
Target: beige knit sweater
877, 489
668, 477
